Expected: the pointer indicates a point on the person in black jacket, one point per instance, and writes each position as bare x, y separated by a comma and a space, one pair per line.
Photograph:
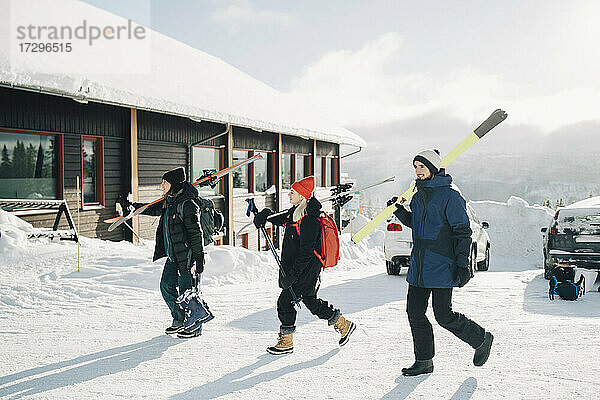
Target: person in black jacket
439, 261
300, 268
181, 241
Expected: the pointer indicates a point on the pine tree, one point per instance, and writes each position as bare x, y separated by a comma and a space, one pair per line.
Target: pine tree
30, 157
5, 165
18, 160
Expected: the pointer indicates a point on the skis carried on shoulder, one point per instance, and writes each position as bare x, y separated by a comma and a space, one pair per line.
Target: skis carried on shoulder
490, 123
211, 179
342, 193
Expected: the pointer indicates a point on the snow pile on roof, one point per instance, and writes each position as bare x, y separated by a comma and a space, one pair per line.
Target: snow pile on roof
181, 80
514, 231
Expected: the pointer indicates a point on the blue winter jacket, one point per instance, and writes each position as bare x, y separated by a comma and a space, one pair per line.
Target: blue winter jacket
440, 230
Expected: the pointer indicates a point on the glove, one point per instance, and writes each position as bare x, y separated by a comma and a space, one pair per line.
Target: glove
199, 260
125, 204
392, 200
464, 275
260, 219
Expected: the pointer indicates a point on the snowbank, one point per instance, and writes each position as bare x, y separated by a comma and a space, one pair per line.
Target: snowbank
516, 240
13, 235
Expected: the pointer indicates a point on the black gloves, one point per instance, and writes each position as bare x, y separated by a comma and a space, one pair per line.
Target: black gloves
464, 275
125, 204
392, 200
260, 219
199, 263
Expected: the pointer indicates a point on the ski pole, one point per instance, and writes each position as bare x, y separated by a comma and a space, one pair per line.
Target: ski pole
252, 209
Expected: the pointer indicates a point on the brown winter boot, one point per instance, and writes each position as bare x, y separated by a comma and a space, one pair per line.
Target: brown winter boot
285, 345
345, 328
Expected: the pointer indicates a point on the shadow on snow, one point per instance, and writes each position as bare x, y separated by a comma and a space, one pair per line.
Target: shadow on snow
350, 297
232, 382
84, 368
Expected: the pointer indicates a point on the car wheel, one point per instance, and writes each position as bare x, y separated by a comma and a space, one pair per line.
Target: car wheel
473, 261
485, 264
392, 268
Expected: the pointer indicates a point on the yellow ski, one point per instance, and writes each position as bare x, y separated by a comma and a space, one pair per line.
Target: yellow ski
487, 125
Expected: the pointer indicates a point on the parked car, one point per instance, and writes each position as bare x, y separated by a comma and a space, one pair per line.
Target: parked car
398, 244
573, 238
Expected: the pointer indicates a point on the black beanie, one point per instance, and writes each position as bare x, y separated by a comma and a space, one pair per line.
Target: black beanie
175, 177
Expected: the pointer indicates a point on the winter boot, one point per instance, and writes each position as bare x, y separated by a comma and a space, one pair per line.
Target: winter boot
419, 367
175, 327
285, 344
483, 351
345, 328
187, 334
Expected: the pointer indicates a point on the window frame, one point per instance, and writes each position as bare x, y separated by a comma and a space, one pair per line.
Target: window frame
221, 149
99, 140
60, 155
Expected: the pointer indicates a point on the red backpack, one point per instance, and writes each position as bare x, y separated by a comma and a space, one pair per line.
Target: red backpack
330, 241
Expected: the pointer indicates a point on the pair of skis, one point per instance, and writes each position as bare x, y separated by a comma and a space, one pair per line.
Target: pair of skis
209, 179
491, 122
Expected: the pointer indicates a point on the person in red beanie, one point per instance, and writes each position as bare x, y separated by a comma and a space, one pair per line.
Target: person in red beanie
300, 265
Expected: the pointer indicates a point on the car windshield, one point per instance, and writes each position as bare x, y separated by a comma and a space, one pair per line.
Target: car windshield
583, 221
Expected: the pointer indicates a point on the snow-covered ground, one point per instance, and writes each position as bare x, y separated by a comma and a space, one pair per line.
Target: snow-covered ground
98, 333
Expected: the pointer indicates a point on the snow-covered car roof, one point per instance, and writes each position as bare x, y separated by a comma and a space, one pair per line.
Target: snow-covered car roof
179, 80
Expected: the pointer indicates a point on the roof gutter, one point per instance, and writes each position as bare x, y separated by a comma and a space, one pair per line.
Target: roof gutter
351, 154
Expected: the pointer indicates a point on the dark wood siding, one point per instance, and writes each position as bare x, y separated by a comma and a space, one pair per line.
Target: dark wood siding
244, 138
40, 112
34, 111
327, 149
154, 159
297, 145
158, 127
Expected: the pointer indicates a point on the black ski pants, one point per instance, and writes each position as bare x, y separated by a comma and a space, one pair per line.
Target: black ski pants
422, 331
287, 312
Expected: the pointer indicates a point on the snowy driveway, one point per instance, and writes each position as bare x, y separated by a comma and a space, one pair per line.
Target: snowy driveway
98, 333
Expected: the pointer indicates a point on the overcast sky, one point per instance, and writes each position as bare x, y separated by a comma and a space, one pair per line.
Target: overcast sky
398, 70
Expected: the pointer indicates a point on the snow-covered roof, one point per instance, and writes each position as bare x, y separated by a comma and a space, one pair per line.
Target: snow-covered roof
179, 80
590, 202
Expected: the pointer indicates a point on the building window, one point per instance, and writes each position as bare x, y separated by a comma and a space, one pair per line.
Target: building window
332, 171
240, 175
286, 171
30, 166
319, 172
261, 182
206, 158
263, 240
245, 240
300, 164
92, 170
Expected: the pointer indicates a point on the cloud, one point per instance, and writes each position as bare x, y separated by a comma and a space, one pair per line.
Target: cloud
242, 12
358, 89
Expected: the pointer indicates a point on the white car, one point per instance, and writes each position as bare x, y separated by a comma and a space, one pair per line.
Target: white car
398, 244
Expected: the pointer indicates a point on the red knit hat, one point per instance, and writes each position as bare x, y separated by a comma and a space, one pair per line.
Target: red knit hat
305, 187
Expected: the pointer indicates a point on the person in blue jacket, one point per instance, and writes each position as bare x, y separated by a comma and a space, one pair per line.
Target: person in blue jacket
439, 262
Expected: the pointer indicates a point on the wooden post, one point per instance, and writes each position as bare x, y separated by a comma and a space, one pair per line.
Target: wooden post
314, 161
278, 185
228, 189
134, 170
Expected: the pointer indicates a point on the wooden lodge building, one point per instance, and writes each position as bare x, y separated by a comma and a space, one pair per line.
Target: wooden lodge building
120, 134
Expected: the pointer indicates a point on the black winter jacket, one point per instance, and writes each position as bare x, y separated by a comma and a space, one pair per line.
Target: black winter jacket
185, 235
300, 265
